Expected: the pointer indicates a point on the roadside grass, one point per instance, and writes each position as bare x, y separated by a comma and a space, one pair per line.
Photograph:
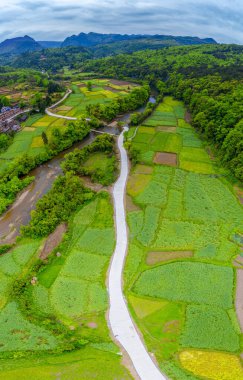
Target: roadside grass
190, 208
87, 363
160, 323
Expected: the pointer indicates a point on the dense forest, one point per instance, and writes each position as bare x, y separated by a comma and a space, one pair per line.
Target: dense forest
209, 79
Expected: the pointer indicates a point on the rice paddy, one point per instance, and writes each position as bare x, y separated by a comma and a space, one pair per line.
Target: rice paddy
179, 276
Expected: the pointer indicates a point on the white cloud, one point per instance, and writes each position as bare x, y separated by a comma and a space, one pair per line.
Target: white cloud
56, 19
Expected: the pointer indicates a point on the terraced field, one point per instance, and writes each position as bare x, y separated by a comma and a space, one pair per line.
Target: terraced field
186, 227
101, 91
59, 305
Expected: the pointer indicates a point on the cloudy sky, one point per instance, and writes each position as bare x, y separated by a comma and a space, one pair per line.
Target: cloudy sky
56, 19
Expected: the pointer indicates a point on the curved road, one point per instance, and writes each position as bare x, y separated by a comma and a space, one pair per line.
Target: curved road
121, 322
48, 112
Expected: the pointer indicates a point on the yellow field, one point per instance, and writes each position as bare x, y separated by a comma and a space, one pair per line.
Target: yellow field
212, 365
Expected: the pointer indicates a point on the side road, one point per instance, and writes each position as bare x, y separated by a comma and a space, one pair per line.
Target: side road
48, 112
120, 320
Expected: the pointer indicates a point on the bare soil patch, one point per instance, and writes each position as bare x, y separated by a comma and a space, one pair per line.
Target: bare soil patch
29, 129
163, 158
93, 186
188, 117
239, 193
113, 124
159, 257
238, 262
130, 206
53, 241
111, 89
92, 325
239, 298
63, 108
122, 83
166, 129
172, 327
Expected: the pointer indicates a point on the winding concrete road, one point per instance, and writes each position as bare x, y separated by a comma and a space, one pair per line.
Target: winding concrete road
120, 320
50, 113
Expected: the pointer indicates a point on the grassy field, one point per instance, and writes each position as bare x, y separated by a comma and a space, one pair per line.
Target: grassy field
58, 324
179, 274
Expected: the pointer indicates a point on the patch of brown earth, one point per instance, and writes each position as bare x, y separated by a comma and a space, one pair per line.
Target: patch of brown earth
53, 241
188, 117
238, 262
130, 206
163, 158
159, 257
111, 89
122, 83
92, 325
29, 129
93, 186
166, 129
63, 108
239, 298
113, 124
239, 193
171, 327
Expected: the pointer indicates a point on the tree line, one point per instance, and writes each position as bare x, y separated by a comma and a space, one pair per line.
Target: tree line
209, 79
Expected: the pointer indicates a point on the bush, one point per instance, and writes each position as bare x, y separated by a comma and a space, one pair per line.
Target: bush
66, 194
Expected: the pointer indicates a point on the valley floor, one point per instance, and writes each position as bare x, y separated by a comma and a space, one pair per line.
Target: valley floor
182, 276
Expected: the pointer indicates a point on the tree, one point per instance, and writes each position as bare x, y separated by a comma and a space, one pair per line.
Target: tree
44, 138
89, 86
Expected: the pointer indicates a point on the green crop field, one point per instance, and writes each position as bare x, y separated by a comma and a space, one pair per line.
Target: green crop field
103, 91
29, 139
179, 274
65, 309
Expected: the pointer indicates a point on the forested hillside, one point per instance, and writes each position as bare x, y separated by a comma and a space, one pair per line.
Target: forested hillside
209, 79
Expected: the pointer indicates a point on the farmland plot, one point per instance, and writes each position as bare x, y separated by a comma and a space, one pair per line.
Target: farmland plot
179, 276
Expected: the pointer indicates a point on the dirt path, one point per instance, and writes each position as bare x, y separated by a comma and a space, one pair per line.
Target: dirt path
239, 299
120, 320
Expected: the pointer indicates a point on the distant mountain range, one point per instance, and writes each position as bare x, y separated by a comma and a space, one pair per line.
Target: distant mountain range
127, 42
50, 44
19, 45
94, 39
